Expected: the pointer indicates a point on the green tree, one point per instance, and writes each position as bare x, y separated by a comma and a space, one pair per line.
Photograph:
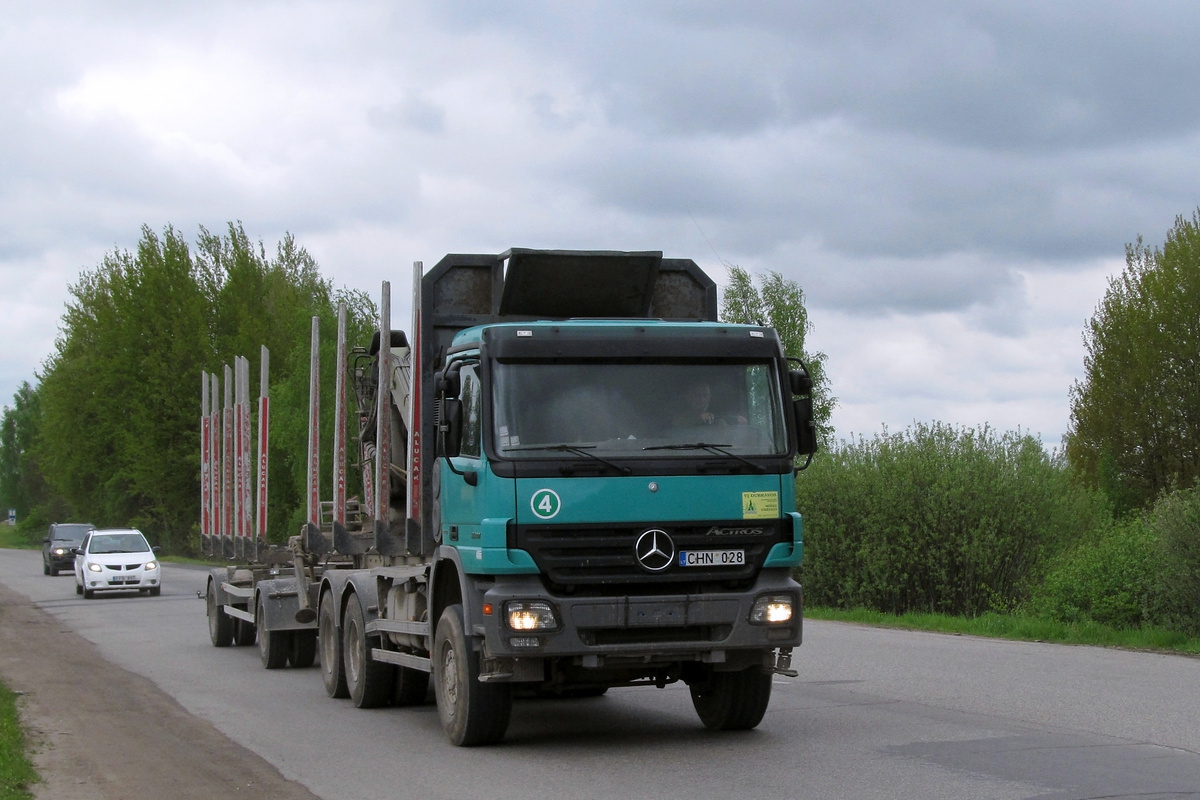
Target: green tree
118, 437
120, 397
1135, 416
21, 485
779, 303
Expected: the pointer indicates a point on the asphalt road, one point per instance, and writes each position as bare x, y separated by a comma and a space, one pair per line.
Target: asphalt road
873, 714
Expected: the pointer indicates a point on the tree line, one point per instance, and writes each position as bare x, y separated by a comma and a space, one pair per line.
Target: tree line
110, 433
963, 520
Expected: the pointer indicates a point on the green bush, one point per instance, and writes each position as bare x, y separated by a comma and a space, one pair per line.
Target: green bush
1175, 520
1144, 570
1112, 578
938, 518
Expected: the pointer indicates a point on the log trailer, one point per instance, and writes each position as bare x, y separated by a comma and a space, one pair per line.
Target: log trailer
575, 478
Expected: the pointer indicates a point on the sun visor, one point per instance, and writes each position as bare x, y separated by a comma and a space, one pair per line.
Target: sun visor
569, 283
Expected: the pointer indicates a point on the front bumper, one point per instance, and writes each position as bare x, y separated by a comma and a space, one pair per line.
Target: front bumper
120, 581
62, 563
600, 631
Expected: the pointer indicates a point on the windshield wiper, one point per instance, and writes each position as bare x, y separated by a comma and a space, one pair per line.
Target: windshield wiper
579, 450
719, 449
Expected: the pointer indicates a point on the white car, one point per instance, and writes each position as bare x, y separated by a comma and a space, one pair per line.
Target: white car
117, 559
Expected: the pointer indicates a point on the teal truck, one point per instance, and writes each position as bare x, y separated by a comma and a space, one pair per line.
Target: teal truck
575, 478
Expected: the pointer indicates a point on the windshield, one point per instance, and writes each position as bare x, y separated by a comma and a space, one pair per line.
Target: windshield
637, 409
117, 543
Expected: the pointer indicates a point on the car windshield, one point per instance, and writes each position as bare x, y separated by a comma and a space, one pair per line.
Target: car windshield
637, 409
71, 533
118, 543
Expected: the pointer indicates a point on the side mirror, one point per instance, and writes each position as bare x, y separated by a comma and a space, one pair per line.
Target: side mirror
74, 551
156, 549
801, 384
449, 427
806, 428
448, 411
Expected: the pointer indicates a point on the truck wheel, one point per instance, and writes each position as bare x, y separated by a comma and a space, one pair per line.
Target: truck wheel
411, 687
304, 649
244, 632
332, 673
733, 701
472, 713
273, 646
368, 681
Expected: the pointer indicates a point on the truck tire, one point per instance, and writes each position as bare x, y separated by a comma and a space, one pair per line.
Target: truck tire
332, 673
244, 632
472, 713
303, 651
368, 681
732, 701
411, 687
273, 646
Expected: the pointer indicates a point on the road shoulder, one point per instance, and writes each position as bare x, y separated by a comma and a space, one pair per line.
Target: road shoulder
102, 732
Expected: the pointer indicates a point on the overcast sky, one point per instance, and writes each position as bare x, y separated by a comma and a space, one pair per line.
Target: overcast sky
951, 183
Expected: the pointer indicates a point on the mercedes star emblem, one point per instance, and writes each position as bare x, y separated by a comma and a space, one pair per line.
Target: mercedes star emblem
654, 550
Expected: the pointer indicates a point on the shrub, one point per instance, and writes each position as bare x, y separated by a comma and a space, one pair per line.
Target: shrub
1175, 520
1112, 578
938, 518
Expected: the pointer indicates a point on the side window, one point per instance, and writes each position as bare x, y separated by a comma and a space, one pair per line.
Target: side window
472, 414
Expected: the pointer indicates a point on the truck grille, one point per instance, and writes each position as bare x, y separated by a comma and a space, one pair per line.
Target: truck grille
604, 556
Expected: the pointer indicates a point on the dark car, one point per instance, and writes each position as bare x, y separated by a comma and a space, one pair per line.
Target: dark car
56, 547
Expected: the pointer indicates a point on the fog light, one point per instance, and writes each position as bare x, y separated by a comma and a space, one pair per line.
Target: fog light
772, 609
530, 615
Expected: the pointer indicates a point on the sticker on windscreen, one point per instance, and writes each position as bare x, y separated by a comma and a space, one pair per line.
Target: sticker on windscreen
545, 503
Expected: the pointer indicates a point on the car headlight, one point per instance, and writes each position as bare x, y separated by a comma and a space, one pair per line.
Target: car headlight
151, 565
772, 609
530, 615
94, 567
58, 551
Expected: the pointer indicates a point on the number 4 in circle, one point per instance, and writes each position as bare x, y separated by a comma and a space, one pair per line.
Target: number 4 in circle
545, 503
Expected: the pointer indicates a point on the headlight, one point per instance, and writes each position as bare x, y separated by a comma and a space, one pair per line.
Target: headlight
530, 615
151, 565
94, 567
772, 609
58, 551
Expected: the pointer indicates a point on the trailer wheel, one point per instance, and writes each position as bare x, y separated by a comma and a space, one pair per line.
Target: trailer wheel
369, 681
273, 646
472, 713
303, 651
220, 624
332, 673
732, 701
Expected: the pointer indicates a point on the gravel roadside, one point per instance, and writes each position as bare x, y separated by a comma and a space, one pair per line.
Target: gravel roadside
102, 733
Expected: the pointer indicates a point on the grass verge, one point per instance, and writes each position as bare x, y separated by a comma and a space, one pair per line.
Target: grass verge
17, 774
1021, 628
